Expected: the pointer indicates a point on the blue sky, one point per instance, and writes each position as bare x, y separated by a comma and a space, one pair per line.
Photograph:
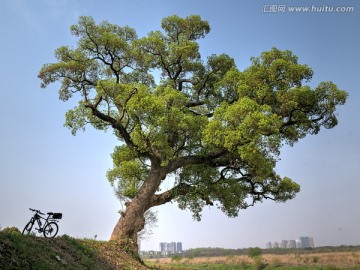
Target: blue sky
43, 166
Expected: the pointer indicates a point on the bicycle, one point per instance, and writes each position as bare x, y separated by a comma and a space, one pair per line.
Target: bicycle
49, 228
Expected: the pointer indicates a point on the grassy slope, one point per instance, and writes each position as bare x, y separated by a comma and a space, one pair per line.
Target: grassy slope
30, 252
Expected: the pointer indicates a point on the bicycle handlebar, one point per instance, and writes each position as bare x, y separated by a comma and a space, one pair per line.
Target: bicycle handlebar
37, 211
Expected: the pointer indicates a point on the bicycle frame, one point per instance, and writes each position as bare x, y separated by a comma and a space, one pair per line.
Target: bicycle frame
38, 219
49, 228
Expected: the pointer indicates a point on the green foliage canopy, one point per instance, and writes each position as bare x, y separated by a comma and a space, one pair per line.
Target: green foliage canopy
217, 129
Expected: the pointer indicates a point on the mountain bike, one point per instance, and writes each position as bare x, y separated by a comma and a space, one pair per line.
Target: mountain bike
49, 228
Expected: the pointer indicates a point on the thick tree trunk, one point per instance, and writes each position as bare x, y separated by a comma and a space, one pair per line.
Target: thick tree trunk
130, 224
132, 220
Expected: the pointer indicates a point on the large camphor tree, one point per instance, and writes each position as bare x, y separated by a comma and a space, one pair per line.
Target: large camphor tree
214, 130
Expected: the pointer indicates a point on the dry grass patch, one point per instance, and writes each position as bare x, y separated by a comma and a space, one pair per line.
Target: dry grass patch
336, 259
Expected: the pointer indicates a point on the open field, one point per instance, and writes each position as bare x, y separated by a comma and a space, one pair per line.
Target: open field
19, 252
326, 260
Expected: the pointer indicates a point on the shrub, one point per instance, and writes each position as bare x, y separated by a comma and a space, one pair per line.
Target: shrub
11, 230
259, 263
254, 252
276, 262
176, 258
243, 265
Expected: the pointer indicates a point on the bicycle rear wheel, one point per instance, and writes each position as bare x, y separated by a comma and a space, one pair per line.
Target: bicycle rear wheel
28, 228
50, 230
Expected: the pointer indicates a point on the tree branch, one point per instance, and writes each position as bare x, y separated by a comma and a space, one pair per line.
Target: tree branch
181, 189
208, 159
114, 123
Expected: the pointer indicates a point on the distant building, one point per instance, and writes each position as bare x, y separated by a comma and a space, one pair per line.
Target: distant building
171, 247
312, 242
306, 242
302, 242
163, 247
291, 244
179, 247
283, 243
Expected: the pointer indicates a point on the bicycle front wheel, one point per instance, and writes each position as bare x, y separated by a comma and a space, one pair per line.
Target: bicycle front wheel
27, 228
50, 230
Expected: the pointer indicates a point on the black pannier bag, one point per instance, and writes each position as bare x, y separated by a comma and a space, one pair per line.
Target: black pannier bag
57, 215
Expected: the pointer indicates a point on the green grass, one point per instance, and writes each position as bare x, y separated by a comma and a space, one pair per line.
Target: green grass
250, 267
253, 266
207, 266
30, 252
19, 252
